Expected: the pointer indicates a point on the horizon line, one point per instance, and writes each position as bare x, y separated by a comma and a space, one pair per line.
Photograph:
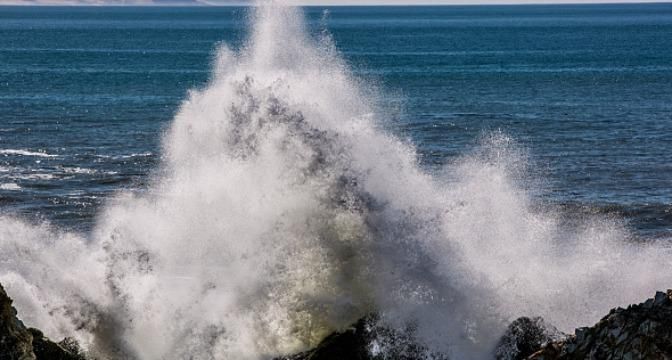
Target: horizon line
341, 4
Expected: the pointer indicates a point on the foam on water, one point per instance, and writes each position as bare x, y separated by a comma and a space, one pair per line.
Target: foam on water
23, 152
10, 186
283, 212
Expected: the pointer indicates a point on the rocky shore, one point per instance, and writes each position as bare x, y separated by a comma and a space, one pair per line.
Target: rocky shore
17, 342
642, 331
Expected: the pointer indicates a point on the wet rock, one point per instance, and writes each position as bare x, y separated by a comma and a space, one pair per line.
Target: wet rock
43, 348
641, 331
16, 342
368, 340
20, 343
524, 337
349, 344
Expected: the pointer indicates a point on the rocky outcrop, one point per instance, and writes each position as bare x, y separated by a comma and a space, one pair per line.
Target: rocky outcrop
349, 344
368, 340
20, 343
524, 337
16, 342
641, 331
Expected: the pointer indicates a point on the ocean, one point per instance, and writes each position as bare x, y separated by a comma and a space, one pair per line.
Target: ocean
259, 179
586, 90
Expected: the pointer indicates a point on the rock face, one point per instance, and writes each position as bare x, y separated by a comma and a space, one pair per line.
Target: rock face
524, 337
366, 340
20, 343
641, 331
349, 344
16, 342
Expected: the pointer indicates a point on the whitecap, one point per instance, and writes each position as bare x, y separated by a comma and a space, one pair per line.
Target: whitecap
133, 155
34, 176
23, 152
78, 170
10, 186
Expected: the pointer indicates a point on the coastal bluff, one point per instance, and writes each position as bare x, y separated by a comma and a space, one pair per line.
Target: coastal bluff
642, 331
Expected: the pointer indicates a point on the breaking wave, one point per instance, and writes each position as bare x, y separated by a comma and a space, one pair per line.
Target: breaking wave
282, 212
23, 152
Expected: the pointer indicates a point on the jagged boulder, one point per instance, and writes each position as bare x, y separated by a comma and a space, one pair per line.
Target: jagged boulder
16, 342
20, 343
43, 348
349, 344
368, 340
641, 331
525, 336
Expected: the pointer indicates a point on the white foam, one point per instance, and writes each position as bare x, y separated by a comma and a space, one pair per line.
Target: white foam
126, 156
78, 170
19, 173
10, 186
34, 176
23, 152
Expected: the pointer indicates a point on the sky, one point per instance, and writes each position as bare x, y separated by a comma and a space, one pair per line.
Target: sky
307, 2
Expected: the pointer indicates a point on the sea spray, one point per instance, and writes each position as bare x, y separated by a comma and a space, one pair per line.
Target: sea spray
282, 212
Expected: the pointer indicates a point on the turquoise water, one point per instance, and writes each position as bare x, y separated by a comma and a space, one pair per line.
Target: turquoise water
586, 91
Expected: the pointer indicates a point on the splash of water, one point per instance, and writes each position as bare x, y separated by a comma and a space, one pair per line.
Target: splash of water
283, 212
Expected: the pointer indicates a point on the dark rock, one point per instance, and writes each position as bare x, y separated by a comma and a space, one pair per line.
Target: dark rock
20, 343
349, 344
368, 340
15, 339
68, 349
641, 331
524, 337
